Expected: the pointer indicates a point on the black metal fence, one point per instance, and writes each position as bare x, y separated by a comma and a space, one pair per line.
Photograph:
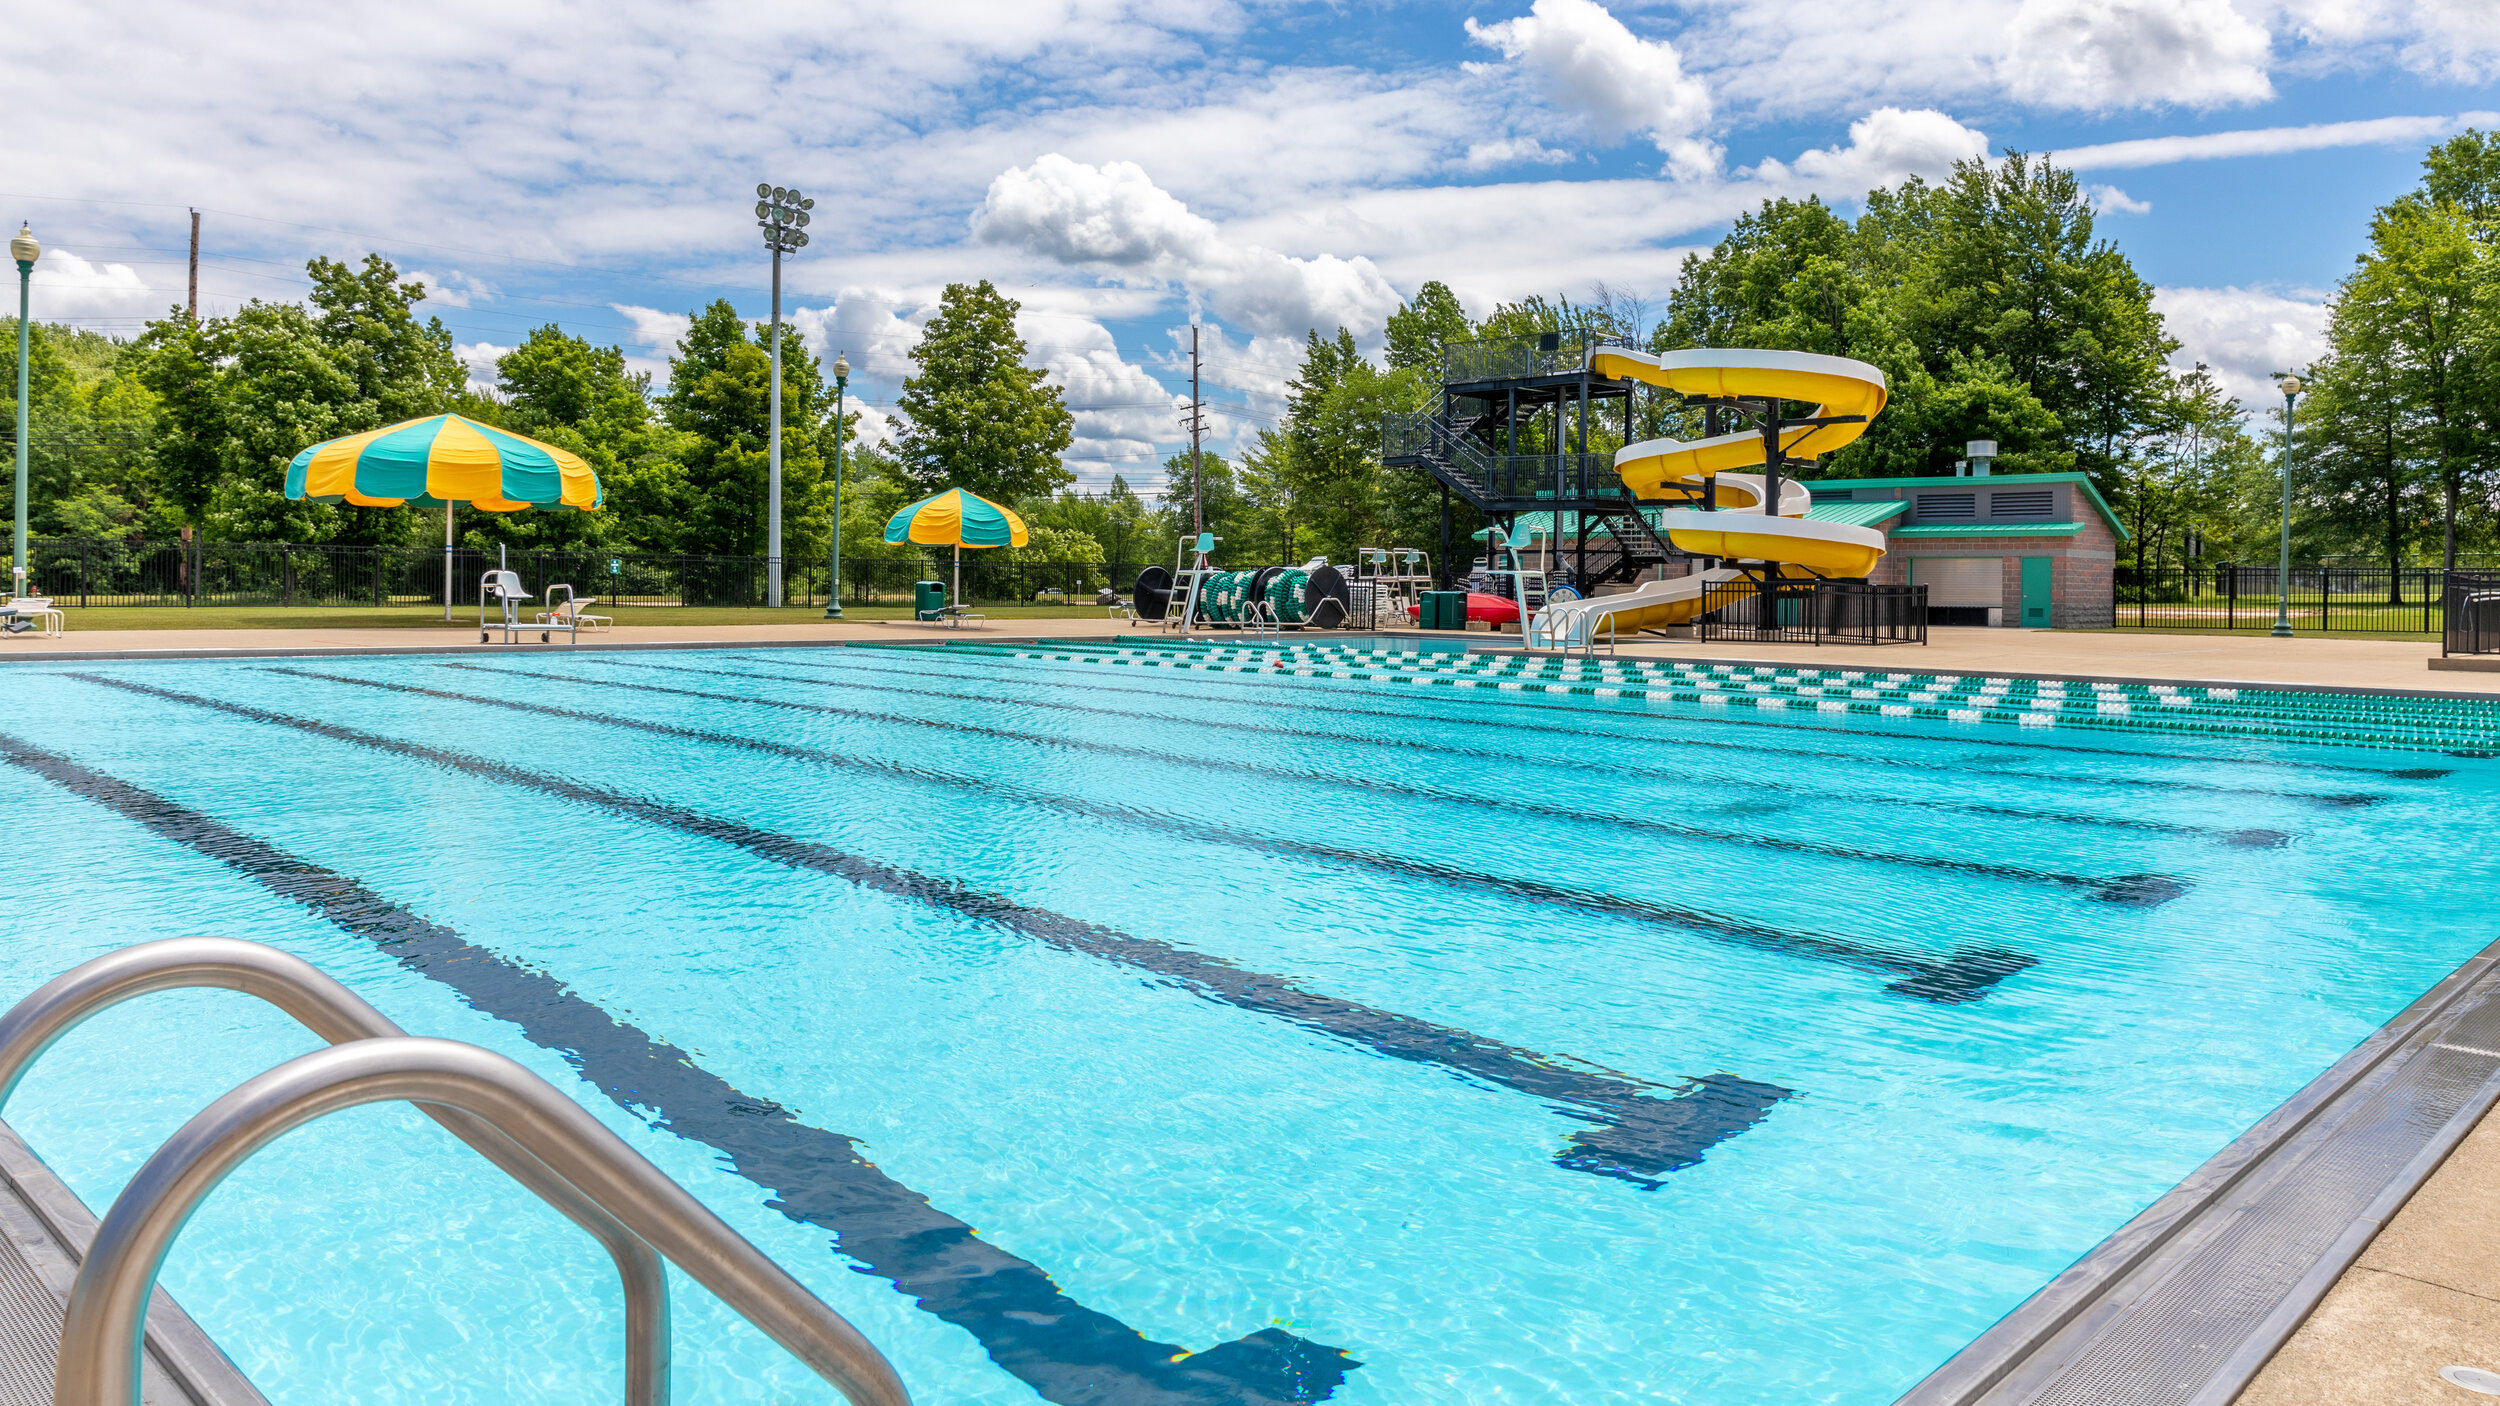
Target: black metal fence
1813, 612
2343, 599
84, 572
2470, 614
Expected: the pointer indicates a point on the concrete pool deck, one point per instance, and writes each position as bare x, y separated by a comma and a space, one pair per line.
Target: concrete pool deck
2402, 665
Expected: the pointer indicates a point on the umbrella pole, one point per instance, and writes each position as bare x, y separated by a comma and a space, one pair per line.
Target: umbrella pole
447, 562
959, 575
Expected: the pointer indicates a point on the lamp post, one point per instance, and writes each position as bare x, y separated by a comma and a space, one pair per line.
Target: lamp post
782, 214
25, 250
2291, 388
833, 576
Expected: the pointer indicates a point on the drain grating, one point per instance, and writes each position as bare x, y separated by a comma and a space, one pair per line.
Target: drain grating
2184, 1305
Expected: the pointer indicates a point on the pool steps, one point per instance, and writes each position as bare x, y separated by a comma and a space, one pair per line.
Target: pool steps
513, 1118
2386, 722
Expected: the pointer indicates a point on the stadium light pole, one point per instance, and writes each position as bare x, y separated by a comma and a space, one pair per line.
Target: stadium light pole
2291, 388
833, 574
782, 214
25, 250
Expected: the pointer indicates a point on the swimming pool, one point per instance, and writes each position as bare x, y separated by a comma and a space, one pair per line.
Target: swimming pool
1149, 1036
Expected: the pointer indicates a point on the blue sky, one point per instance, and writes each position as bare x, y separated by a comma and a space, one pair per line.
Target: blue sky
1125, 167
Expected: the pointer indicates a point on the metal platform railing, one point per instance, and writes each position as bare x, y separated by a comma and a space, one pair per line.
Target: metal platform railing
510, 1116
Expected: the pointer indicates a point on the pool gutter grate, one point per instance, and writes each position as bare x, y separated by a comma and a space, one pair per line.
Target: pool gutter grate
2185, 1304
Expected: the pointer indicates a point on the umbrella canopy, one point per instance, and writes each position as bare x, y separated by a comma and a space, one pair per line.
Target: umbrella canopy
955, 518
440, 460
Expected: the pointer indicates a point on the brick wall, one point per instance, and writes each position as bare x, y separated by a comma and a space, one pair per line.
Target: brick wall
2079, 573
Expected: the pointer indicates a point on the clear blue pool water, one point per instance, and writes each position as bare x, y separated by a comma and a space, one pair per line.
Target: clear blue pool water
1341, 1041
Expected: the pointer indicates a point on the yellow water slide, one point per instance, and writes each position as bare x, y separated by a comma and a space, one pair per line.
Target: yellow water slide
1742, 529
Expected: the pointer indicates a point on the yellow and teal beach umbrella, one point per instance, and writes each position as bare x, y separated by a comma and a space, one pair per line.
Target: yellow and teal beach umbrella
441, 460
956, 519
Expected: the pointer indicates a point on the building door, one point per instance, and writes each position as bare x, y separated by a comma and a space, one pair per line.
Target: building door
1961, 590
2038, 573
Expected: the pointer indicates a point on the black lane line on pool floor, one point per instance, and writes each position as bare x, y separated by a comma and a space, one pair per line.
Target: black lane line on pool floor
2248, 838
1638, 1136
1069, 1354
2135, 890
1288, 685
1967, 975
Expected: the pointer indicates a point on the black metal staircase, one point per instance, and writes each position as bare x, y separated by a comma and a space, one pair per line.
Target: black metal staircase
1494, 391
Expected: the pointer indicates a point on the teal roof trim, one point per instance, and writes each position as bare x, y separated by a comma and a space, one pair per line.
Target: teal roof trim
1990, 529
1871, 514
2109, 515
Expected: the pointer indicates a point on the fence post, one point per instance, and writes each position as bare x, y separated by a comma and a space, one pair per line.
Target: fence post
286, 574
2444, 583
377, 578
83, 587
2326, 597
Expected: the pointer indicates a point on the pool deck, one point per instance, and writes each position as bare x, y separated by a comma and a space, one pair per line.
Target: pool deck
2397, 665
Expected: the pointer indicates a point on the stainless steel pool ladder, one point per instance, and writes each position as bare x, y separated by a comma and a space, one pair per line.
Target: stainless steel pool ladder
513, 1118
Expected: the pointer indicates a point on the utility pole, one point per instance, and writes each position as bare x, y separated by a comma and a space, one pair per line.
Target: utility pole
1197, 426
195, 266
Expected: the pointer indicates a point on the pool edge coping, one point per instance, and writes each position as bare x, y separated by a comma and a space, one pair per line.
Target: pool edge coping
2023, 1353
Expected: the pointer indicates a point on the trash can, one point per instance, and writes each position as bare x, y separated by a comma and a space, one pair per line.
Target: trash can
928, 600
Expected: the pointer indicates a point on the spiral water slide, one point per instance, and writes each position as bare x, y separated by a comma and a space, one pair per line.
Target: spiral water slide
1736, 527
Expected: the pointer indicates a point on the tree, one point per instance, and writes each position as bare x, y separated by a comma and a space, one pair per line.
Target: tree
1419, 329
559, 388
975, 416
2416, 301
1987, 302
720, 398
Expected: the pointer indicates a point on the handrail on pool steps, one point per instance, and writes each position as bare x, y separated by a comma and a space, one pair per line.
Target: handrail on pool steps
513, 1118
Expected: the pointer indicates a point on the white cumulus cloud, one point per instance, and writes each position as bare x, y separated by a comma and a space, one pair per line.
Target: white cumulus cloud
2244, 335
68, 288
2110, 200
1589, 63
2098, 55
1886, 146
655, 330
1512, 151
1114, 218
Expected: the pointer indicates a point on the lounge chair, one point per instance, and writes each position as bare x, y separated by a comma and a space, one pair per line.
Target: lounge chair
569, 611
24, 613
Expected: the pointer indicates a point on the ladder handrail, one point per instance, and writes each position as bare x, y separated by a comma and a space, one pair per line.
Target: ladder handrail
104, 1331
321, 1004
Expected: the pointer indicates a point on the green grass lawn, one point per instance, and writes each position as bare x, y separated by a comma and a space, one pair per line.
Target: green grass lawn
418, 617
2261, 631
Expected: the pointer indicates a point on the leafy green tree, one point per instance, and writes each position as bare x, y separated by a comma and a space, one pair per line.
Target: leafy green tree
2417, 302
975, 416
1420, 328
559, 388
720, 398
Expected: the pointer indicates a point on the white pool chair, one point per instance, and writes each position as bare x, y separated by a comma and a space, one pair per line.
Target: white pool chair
24, 613
568, 611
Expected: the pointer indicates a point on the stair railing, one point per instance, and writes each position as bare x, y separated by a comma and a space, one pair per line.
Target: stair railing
102, 1342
